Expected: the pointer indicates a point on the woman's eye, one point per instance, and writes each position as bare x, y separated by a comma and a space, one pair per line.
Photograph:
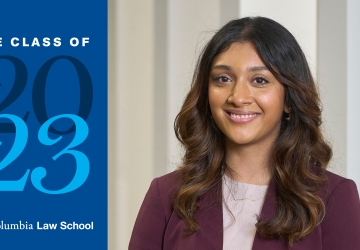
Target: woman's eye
260, 80
222, 79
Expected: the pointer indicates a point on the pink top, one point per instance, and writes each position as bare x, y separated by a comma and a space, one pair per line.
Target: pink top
242, 202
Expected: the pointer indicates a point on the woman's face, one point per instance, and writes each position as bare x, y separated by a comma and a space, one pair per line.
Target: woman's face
246, 100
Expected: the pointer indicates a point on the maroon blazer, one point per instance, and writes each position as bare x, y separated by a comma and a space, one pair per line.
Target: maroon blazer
158, 226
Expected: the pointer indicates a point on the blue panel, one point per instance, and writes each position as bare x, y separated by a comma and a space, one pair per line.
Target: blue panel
53, 124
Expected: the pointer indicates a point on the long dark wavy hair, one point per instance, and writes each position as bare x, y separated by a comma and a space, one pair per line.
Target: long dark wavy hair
299, 147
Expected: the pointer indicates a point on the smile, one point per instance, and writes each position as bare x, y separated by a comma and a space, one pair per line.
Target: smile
242, 118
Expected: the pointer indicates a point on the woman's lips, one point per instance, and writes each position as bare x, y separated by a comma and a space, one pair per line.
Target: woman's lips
241, 116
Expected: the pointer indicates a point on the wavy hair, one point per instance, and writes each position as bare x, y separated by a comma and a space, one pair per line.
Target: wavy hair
299, 146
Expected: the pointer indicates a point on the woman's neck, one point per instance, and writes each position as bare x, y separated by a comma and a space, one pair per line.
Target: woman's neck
248, 164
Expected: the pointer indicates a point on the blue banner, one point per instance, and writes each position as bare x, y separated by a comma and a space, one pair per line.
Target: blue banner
53, 124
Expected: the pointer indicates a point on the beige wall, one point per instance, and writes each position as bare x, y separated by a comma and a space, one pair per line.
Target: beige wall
131, 116
190, 25
153, 47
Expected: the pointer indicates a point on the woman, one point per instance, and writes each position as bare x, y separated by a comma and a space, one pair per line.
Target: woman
253, 174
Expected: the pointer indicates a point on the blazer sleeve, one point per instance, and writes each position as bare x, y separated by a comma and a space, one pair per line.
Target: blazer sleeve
341, 225
150, 223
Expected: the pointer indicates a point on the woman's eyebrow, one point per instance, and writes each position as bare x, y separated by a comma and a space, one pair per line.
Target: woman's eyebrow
256, 68
251, 68
221, 66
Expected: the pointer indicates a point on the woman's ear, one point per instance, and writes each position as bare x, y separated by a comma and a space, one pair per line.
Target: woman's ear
286, 109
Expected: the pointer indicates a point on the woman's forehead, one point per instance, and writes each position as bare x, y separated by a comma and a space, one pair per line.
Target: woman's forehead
236, 54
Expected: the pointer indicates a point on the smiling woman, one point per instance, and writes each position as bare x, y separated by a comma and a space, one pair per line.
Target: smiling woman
254, 171
246, 101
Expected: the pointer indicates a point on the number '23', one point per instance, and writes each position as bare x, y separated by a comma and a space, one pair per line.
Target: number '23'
21, 136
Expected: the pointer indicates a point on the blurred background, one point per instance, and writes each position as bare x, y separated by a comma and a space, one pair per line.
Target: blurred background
153, 48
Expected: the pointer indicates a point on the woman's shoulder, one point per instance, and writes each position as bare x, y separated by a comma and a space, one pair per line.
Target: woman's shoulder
340, 227
337, 186
167, 185
168, 181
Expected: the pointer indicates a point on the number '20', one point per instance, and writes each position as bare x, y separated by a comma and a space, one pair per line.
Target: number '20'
80, 127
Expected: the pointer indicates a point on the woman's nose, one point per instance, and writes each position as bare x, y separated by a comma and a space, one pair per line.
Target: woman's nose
241, 94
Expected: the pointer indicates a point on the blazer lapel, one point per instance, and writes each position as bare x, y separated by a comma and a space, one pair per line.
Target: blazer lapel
210, 218
268, 211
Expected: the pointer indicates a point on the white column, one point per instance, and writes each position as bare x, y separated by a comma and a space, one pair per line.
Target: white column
332, 77
160, 88
299, 17
229, 10
353, 90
